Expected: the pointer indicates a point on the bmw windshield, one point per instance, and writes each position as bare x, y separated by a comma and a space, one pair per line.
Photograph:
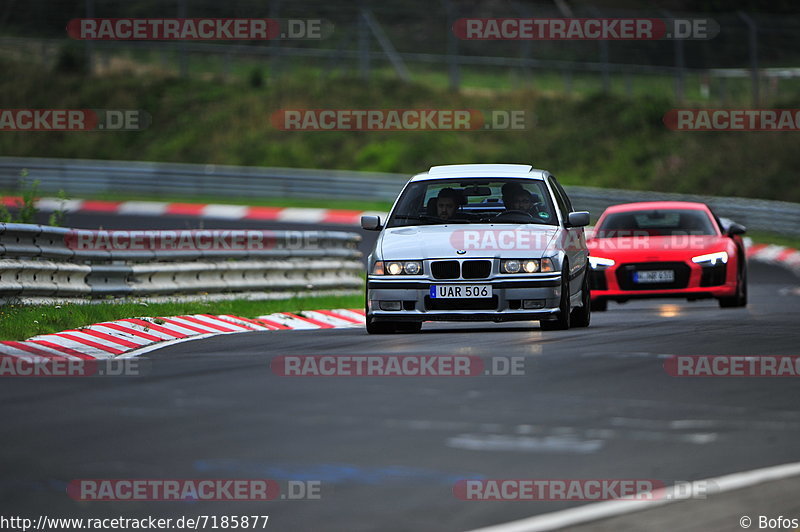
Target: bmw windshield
488, 200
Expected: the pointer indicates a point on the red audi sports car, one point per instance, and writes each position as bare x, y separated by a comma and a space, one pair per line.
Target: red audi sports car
666, 249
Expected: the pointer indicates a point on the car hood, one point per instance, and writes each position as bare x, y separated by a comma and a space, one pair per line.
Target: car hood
475, 240
655, 247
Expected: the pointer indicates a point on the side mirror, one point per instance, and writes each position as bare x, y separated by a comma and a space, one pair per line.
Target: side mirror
736, 229
578, 219
371, 223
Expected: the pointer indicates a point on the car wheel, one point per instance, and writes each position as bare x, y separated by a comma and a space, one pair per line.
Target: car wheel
562, 321
377, 327
381, 327
409, 326
740, 299
599, 305
582, 316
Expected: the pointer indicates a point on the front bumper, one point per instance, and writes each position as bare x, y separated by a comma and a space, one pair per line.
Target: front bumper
693, 281
508, 301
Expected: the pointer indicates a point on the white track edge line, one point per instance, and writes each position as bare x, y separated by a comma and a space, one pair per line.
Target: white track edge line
166, 343
606, 509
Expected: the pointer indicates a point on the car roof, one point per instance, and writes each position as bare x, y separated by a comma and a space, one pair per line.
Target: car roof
461, 171
662, 205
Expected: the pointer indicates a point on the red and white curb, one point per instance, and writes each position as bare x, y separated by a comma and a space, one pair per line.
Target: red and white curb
124, 337
209, 211
778, 255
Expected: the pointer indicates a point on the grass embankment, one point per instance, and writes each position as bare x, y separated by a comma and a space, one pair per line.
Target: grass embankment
762, 237
608, 141
20, 322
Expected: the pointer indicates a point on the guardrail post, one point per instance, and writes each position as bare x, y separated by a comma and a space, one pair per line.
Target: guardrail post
89, 42
452, 47
604, 56
274, 45
680, 63
383, 40
363, 46
183, 59
752, 39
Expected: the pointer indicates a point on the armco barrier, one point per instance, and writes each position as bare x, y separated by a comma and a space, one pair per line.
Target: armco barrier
38, 260
79, 177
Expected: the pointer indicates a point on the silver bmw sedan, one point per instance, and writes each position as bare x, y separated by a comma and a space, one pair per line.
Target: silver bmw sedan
478, 242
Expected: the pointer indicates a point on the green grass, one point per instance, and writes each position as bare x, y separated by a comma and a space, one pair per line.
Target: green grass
20, 322
761, 237
585, 139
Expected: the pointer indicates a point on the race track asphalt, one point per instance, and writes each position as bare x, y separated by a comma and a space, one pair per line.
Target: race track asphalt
592, 403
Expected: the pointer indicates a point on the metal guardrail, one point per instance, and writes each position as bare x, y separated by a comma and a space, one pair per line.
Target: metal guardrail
778, 217
77, 177
38, 260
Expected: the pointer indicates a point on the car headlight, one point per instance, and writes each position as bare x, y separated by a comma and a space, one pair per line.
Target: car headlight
711, 259
520, 265
510, 266
412, 267
600, 263
395, 267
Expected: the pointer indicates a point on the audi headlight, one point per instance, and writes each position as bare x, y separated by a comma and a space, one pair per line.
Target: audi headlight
711, 259
410, 267
599, 263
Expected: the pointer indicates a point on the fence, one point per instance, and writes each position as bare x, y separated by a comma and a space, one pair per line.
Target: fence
78, 177
37, 261
413, 39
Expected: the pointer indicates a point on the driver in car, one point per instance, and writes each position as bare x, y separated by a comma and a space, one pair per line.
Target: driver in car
447, 203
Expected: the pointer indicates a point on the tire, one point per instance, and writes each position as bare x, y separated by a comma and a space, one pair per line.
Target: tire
582, 316
599, 305
562, 321
381, 327
376, 327
408, 326
740, 299
389, 327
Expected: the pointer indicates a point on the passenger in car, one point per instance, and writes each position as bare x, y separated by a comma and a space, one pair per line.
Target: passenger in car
521, 201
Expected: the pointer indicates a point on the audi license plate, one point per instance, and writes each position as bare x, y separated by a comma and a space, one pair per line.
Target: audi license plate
461, 291
654, 276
